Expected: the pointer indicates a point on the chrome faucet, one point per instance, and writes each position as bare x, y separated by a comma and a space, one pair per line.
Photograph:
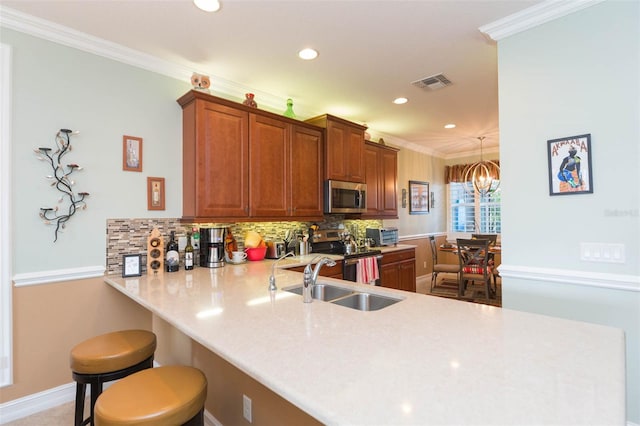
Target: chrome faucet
311, 276
272, 278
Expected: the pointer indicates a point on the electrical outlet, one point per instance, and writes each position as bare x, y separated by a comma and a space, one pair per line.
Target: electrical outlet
246, 407
425, 264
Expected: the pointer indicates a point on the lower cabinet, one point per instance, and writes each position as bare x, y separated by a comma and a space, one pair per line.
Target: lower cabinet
325, 271
398, 270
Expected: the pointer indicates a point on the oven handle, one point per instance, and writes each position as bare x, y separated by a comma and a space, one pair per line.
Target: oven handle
349, 262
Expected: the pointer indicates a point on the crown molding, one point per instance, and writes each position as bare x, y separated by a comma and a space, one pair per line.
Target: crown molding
533, 16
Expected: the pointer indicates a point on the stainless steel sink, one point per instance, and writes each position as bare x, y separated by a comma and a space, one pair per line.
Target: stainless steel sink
366, 301
322, 291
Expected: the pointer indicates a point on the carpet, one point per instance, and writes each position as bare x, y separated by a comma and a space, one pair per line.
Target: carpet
475, 292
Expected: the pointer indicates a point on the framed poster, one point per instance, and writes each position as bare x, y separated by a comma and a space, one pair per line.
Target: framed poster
131, 154
155, 193
419, 197
570, 165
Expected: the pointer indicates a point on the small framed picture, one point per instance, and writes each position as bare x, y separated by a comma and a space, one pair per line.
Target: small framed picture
131, 154
418, 197
131, 265
570, 165
155, 193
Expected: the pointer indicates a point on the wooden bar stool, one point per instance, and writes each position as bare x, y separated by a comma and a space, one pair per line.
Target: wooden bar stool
105, 358
162, 396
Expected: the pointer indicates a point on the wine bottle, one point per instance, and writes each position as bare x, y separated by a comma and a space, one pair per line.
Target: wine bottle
230, 244
188, 254
172, 260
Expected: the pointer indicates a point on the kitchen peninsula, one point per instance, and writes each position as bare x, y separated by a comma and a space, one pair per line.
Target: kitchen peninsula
424, 360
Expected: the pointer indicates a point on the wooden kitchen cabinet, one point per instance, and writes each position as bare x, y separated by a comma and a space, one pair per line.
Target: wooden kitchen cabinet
269, 144
344, 148
285, 169
215, 161
241, 163
381, 177
398, 270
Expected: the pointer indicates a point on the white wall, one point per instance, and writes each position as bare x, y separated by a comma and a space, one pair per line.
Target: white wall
59, 87
575, 75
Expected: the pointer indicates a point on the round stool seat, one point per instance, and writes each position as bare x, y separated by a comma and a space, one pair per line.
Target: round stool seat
168, 395
112, 351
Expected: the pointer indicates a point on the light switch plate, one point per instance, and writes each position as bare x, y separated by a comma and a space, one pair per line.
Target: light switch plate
602, 252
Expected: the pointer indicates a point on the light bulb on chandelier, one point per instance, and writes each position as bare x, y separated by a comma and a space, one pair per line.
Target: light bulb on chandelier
483, 176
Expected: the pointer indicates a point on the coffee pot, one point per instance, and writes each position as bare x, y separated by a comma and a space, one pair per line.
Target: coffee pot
212, 247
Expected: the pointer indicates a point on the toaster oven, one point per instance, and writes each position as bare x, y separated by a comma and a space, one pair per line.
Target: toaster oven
383, 236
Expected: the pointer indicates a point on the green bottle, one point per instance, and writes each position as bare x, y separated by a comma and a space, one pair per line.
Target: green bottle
289, 112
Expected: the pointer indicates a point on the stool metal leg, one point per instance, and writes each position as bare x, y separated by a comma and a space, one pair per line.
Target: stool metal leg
96, 381
80, 393
197, 420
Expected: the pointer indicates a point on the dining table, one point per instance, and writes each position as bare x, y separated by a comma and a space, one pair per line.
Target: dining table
449, 253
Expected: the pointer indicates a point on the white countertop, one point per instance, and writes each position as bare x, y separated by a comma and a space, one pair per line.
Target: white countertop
425, 360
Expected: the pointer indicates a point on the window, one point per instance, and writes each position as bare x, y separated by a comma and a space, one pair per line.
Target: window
473, 212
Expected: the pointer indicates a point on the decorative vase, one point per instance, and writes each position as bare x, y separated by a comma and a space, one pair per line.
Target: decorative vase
289, 111
249, 100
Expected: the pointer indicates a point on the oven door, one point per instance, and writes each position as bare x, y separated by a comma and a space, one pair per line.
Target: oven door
350, 268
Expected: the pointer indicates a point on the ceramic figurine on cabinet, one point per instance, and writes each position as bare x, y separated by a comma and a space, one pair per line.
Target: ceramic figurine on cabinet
200, 82
249, 101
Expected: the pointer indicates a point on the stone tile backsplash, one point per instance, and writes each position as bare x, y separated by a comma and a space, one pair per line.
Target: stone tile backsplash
129, 236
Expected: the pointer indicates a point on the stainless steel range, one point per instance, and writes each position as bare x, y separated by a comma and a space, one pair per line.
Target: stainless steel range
332, 242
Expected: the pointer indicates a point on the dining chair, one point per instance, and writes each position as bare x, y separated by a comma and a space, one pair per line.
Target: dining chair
445, 268
493, 240
473, 257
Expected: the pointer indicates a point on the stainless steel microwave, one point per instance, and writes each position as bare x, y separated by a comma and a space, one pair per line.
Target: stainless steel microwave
345, 197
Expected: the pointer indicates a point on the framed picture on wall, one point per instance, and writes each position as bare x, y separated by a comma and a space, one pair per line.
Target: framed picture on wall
570, 165
418, 197
131, 154
155, 193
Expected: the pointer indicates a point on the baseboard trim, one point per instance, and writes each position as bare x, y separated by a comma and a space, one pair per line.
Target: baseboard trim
566, 276
37, 402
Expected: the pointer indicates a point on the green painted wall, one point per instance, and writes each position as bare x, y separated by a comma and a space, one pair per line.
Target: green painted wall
575, 75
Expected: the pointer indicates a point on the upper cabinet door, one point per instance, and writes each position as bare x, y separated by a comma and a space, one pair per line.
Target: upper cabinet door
268, 167
215, 161
337, 150
344, 150
355, 156
381, 176
306, 172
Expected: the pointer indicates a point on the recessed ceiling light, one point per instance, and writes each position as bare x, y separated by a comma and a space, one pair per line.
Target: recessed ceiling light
400, 101
450, 126
207, 5
308, 54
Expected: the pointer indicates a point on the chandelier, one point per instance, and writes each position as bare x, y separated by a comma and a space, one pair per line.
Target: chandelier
483, 176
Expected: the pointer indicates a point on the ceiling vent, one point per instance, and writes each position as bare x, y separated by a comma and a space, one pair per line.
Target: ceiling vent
434, 82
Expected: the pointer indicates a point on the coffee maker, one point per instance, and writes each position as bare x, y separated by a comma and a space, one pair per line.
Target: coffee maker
212, 247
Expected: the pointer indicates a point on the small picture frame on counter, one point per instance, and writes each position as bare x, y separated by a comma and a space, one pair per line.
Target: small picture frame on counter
131, 265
